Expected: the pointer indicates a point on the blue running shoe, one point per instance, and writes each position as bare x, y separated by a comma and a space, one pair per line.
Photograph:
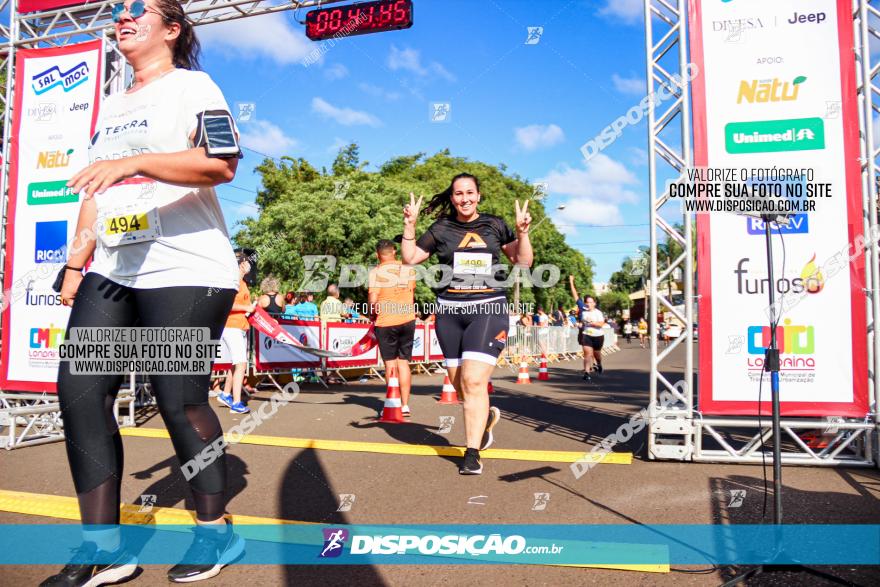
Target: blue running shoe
239, 408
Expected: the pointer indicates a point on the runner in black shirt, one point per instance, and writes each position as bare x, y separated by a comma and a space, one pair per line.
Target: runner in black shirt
472, 316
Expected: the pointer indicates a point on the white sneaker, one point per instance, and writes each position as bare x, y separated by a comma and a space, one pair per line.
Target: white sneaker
405, 411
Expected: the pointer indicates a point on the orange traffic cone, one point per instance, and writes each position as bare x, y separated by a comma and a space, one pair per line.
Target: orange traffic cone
542, 370
392, 413
448, 395
523, 376
491, 387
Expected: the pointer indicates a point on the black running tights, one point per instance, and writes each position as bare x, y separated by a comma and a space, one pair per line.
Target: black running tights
94, 446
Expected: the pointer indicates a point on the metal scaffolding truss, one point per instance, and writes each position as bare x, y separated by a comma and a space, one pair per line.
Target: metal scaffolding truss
670, 434
58, 26
26, 418
679, 431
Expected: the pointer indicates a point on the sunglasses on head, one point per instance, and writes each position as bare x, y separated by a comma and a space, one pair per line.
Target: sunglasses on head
137, 9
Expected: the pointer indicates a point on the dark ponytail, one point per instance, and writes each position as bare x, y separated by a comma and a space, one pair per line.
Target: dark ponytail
187, 47
442, 203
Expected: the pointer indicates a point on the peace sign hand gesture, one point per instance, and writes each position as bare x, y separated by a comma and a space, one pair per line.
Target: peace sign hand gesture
523, 218
411, 211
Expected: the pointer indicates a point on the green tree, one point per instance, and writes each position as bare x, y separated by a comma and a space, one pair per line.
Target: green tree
613, 303
304, 213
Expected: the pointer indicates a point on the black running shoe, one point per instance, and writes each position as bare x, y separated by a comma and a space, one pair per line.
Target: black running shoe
471, 464
494, 416
209, 552
77, 574
587, 377
599, 368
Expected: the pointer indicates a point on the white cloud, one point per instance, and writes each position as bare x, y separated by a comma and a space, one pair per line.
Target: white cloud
344, 116
586, 212
629, 85
438, 69
378, 92
265, 137
338, 143
407, 59
628, 11
594, 192
335, 72
411, 60
269, 35
536, 136
638, 156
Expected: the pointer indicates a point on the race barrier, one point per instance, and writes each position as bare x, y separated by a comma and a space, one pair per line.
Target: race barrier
34, 418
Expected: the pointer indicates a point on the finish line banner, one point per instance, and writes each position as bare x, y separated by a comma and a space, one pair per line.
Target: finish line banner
638, 547
777, 92
57, 92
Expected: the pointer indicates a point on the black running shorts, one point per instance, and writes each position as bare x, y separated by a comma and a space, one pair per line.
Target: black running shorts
472, 331
396, 342
596, 342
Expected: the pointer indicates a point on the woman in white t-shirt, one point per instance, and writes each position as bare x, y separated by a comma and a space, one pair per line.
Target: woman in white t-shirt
591, 337
162, 258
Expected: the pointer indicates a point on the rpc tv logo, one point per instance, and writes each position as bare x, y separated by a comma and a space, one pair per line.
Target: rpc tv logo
797, 224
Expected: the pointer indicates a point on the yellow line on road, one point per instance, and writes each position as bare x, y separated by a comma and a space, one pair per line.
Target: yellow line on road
553, 456
67, 508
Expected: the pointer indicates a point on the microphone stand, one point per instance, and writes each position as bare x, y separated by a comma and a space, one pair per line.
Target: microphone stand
771, 364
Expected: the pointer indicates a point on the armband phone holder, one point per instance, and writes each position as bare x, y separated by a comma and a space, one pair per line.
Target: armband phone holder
216, 132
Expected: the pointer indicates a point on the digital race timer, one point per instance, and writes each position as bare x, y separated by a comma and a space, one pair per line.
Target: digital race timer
359, 19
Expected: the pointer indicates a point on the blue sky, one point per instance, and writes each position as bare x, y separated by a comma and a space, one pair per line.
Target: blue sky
530, 106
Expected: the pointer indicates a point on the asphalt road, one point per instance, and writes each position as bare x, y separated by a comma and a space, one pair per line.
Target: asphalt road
562, 414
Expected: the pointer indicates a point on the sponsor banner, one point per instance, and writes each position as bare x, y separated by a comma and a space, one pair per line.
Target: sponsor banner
343, 336
271, 355
435, 353
418, 355
639, 547
777, 89
57, 96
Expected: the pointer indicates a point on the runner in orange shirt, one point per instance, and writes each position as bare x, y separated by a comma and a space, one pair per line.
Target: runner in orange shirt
391, 296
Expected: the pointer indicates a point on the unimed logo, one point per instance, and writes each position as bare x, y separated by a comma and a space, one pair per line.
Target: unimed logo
50, 242
771, 136
50, 192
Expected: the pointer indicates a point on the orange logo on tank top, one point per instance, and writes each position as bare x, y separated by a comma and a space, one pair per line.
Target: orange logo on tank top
472, 240
502, 336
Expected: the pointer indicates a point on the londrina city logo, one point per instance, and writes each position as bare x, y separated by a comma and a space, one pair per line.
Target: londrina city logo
53, 77
795, 342
334, 542
773, 136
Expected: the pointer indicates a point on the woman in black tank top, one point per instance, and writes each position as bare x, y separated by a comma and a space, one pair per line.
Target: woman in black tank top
271, 300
